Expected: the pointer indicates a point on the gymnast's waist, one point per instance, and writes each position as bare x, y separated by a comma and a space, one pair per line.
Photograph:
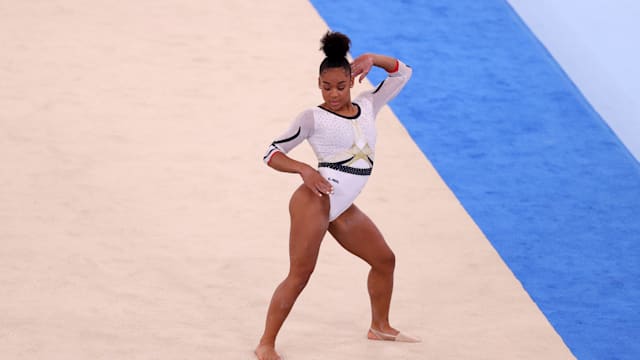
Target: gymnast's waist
345, 169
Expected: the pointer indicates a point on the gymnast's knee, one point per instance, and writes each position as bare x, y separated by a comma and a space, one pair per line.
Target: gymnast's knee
299, 276
385, 263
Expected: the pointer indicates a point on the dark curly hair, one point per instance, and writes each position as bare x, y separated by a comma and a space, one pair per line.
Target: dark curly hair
335, 46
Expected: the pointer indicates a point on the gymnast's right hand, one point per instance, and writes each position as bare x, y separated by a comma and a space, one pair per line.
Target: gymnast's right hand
316, 182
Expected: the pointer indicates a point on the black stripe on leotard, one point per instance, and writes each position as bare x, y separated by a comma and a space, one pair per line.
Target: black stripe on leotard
289, 138
346, 169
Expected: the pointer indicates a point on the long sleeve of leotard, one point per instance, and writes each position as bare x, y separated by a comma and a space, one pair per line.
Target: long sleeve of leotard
298, 131
389, 87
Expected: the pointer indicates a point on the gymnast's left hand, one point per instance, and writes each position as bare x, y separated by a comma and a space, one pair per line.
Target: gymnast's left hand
361, 66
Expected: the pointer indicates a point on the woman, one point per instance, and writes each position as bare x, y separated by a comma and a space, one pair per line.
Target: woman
343, 136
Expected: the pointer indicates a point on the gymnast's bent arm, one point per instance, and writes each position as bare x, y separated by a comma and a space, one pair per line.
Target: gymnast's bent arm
311, 177
276, 158
398, 75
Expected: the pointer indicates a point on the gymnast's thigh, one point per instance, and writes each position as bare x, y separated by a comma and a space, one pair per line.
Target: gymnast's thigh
355, 232
309, 222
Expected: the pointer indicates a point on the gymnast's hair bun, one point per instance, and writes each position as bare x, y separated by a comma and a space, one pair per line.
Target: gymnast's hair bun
335, 44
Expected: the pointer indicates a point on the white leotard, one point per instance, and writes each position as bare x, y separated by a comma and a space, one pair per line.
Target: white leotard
344, 146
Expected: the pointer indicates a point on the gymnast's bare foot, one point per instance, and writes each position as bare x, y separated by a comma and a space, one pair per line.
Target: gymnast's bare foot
266, 352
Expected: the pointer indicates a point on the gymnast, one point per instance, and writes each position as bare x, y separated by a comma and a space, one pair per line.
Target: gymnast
342, 135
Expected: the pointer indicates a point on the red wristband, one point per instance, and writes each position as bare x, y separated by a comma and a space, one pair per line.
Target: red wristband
396, 67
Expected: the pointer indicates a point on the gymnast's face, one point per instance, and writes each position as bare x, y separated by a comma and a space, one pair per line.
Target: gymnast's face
336, 84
